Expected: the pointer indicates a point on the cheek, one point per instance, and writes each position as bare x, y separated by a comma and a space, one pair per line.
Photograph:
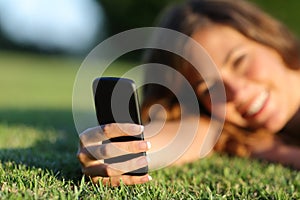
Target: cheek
264, 67
258, 70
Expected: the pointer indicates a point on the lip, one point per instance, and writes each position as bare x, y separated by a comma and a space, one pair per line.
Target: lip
256, 106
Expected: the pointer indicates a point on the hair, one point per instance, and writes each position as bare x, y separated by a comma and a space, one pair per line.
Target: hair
247, 19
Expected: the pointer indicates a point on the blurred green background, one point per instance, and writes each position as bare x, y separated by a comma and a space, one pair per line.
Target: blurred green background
24, 25
131, 13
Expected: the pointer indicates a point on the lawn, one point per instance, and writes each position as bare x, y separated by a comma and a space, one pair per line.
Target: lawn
39, 142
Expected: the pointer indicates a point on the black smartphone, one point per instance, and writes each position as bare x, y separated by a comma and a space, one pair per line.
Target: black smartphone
116, 101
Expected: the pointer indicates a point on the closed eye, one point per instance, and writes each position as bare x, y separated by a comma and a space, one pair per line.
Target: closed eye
237, 62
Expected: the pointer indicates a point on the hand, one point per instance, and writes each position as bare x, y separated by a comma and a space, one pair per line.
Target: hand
92, 152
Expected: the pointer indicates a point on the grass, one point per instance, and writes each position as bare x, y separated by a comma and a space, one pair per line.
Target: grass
39, 142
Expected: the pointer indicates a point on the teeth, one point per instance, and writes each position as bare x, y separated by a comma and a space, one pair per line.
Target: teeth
258, 103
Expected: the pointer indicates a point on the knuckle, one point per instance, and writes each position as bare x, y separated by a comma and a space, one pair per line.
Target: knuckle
131, 147
115, 181
88, 130
84, 134
103, 151
136, 147
87, 135
95, 180
81, 156
84, 157
106, 130
128, 181
99, 130
105, 181
82, 138
109, 171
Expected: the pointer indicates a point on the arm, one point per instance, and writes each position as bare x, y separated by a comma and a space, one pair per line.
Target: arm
92, 152
166, 135
274, 149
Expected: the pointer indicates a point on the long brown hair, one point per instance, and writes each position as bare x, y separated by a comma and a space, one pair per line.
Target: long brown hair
240, 15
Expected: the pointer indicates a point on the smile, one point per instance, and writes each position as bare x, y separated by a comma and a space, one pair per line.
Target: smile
257, 105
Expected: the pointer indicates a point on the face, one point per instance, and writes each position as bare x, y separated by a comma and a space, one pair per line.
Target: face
261, 92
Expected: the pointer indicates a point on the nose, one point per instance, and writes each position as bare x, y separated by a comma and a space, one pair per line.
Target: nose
234, 86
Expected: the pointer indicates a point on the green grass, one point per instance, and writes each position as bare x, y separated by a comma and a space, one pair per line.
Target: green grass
39, 142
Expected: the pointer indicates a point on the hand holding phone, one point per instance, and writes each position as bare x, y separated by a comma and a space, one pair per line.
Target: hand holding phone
116, 102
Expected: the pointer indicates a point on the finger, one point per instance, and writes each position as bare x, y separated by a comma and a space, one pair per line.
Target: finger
110, 150
121, 129
91, 136
119, 168
105, 132
132, 180
125, 179
97, 168
86, 158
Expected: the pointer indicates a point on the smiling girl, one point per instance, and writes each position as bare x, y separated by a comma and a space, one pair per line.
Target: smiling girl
259, 64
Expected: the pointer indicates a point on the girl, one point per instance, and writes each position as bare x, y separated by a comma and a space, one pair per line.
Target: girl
258, 60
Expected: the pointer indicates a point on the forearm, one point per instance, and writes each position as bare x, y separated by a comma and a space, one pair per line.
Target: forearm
184, 145
279, 152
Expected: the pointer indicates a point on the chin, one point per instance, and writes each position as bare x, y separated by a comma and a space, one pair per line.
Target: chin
274, 125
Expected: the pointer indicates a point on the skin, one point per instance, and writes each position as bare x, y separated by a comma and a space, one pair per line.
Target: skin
92, 161
92, 152
248, 70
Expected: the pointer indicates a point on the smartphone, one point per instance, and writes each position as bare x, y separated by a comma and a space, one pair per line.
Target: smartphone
116, 101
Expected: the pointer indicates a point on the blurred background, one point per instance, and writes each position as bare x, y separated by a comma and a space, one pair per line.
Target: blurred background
76, 26
42, 44
69, 26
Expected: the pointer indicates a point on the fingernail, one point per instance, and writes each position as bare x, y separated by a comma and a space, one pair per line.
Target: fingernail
137, 128
149, 145
142, 128
144, 145
147, 178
